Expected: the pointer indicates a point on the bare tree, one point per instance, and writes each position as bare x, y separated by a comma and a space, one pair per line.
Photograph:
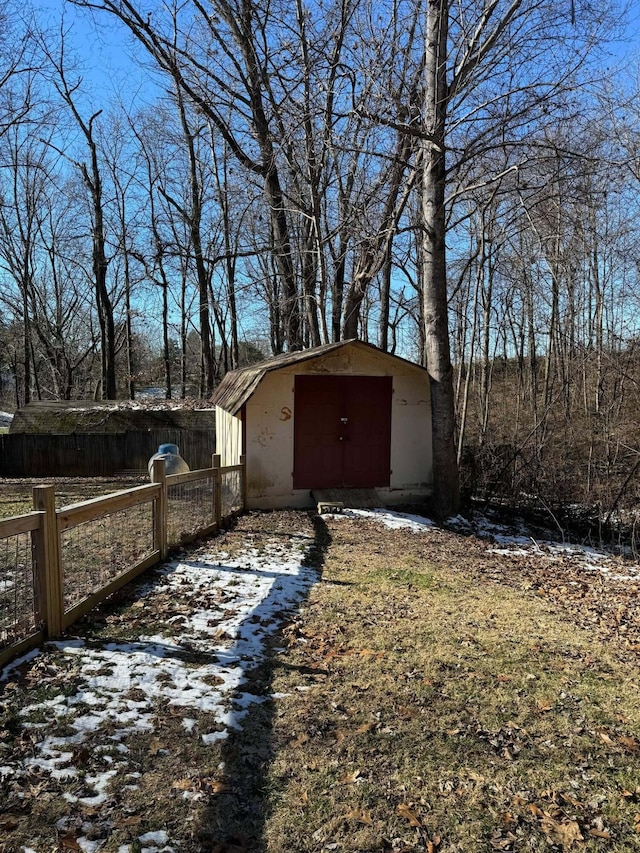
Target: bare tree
91, 172
42, 291
18, 69
181, 47
484, 81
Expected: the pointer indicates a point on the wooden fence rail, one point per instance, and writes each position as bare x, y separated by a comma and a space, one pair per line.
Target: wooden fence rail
57, 564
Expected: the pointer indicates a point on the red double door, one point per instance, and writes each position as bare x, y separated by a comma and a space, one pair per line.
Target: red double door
342, 431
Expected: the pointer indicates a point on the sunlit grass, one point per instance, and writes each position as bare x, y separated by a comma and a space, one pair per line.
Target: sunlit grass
436, 709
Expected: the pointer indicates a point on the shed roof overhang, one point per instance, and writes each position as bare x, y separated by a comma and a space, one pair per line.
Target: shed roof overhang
237, 386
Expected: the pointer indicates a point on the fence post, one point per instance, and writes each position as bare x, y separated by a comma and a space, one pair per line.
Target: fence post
243, 481
159, 475
49, 562
217, 489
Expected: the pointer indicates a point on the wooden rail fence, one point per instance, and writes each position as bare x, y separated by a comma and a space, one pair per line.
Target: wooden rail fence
57, 564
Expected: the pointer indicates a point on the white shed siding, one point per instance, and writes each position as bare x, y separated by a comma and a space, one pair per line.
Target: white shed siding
411, 458
269, 451
228, 437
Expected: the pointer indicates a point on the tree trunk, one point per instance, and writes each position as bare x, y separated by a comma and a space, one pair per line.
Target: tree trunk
26, 349
385, 298
103, 300
446, 487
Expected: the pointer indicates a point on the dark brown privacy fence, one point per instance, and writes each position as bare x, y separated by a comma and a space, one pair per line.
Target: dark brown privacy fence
98, 454
57, 564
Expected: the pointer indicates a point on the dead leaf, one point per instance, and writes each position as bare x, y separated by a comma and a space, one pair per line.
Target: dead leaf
132, 820
408, 713
565, 834
68, 842
631, 795
360, 816
81, 755
503, 842
543, 706
567, 798
9, 821
156, 747
213, 786
599, 833
409, 814
302, 738
433, 844
183, 784
370, 653
630, 744
350, 778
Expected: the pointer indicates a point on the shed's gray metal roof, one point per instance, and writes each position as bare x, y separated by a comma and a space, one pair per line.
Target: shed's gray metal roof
237, 386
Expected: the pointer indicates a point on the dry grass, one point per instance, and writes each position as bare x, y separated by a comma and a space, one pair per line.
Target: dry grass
16, 495
430, 708
430, 696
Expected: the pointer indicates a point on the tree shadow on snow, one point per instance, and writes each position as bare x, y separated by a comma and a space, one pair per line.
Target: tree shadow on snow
233, 820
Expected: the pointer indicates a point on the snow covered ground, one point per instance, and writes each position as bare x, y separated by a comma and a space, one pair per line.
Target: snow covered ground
227, 608
517, 540
390, 519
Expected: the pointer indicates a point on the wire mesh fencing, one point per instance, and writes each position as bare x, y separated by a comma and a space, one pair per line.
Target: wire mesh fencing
190, 509
231, 491
96, 552
18, 604
56, 564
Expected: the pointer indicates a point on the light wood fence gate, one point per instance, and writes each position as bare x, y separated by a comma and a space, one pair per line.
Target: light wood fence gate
57, 564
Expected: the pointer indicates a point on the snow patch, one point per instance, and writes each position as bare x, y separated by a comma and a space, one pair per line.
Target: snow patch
390, 519
517, 540
228, 609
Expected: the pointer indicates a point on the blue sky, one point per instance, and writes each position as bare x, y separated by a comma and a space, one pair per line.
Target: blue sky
104, 50
107, 53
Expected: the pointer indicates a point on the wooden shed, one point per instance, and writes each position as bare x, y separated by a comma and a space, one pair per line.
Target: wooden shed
341, 416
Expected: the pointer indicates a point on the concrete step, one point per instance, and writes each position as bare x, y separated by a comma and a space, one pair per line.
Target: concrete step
335, 500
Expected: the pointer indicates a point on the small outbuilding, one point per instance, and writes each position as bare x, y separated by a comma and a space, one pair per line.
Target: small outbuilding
341, 416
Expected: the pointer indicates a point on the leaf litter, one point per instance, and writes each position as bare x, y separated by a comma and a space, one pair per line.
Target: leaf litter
379, 748
215, 616
475, 708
